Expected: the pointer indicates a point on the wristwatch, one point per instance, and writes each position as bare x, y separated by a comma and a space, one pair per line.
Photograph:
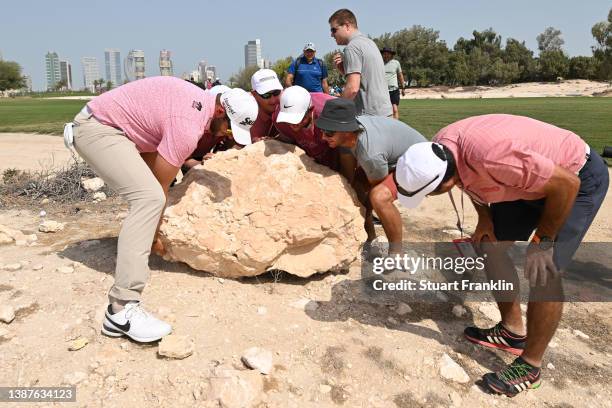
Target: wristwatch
544, 243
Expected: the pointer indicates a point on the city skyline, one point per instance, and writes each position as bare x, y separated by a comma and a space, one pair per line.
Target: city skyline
191, 40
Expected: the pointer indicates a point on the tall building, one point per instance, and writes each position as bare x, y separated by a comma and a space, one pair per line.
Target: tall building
66, 73
165, 63
27, 81
211, 71
252, 53
135, 65
202, 67
91, 72
53, 70
112, 63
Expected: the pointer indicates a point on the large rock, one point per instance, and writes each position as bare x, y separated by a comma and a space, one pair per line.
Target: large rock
267, 206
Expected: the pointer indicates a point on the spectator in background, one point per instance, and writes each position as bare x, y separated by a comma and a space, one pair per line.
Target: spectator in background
308, 71
266, 90
393, 71
362, 65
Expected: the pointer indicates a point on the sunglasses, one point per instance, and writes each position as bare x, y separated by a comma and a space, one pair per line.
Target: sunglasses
334, 30
270, 94
328, 133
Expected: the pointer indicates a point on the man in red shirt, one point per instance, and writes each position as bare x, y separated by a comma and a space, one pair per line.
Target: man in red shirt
266, 90
522, 175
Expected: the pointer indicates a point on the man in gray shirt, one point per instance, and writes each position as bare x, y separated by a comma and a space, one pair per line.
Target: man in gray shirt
377, 143
362, 64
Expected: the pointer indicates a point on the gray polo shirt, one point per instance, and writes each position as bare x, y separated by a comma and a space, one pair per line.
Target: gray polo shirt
362, 56
382, 143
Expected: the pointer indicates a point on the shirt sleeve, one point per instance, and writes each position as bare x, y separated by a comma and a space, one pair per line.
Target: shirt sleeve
517, 166
291, 69
353, 61
180, 139
375, 168
399, 67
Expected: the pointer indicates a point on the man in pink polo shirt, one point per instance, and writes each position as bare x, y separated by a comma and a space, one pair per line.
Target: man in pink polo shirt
136, 137
266, 90
295, 117
522, 175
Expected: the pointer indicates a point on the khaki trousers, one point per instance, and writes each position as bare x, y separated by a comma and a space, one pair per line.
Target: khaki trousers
116, 160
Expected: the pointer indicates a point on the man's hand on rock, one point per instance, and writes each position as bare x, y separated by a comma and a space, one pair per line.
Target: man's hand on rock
158, 247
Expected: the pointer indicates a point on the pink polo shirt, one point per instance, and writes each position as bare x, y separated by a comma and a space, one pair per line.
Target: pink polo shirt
310, 139
507, 157
160, 114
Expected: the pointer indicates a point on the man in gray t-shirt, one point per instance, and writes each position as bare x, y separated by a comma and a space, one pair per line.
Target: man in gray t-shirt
377, 143
362, 64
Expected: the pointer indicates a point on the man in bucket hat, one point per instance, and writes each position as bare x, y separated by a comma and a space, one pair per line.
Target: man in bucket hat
377, 143
522, 175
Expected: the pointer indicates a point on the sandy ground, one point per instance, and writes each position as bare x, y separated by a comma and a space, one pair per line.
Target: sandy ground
578, 87
350, 350
25, 151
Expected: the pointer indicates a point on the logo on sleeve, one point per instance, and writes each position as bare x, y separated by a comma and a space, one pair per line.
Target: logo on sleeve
197, 105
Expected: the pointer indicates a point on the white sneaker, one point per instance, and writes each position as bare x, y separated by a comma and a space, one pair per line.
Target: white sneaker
134, 322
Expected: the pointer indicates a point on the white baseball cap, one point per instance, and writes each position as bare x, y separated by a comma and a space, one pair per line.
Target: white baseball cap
419, 171
294, 104
242, 109
219, 89
309, 46
264, 81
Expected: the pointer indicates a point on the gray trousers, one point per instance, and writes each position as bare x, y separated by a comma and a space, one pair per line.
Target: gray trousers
116, 160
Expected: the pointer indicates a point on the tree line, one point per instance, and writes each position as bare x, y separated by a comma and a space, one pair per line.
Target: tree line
482, 59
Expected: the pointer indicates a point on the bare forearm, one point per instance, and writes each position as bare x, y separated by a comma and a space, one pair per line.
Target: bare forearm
349, 92
556, 210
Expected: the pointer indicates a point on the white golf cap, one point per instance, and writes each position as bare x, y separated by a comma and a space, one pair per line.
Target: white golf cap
242, 109
219, 89
419, 171
294, 103
310, 46
264, 81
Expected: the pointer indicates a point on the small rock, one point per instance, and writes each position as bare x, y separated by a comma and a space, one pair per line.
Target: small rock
261, 310
553, 344
175, 346
5, 239
74, 378
44, 201
5, 334
234, 389
392, 321
13, 267
490, 310
550, 366
92, 184
99, 196
580, 334
305, 304
7, 313
403, 309
459, 311
65, 269
258, 359
324, 388
50, 226
38, 267
452, 371
78, 344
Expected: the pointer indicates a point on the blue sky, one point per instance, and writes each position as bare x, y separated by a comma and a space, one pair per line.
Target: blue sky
217, 31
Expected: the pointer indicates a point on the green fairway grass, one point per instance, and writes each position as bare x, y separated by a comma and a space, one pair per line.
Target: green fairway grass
37, 115
591, 118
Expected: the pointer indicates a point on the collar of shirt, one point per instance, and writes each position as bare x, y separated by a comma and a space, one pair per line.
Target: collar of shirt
357, 33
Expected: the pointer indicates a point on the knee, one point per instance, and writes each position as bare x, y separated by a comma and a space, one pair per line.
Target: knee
154, 198
380, 196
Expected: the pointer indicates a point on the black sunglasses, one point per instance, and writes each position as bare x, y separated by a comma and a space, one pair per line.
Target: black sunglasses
334, 29
412, 193
270, 94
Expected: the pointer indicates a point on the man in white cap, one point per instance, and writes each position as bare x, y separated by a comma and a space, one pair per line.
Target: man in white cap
266, 90
377, 142
522, 175
136, 137
308, 71
295, 120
